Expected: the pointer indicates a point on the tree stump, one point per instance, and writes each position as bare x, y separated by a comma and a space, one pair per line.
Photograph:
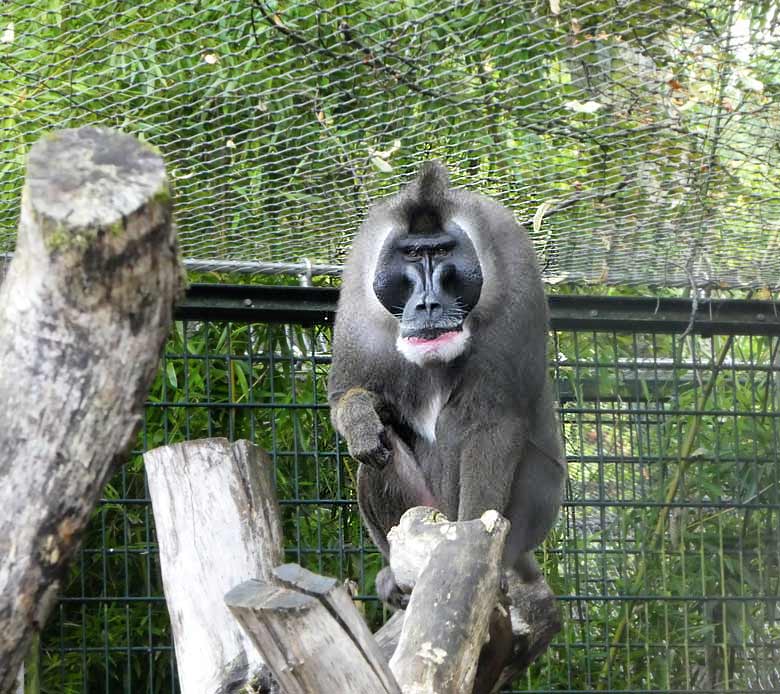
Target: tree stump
217, 524
85, 308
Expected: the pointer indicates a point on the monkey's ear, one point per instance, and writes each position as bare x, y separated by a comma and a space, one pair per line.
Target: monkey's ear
433, 182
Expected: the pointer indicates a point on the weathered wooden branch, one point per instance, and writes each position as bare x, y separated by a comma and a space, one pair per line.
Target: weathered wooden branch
85, 308
454, 569
311, 634
460, 577
217, 524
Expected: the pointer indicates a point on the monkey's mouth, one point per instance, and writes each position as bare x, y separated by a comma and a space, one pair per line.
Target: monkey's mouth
431, 337
425, 345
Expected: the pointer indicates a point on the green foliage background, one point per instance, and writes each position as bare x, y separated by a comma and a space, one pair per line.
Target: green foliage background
637, 138
643, 132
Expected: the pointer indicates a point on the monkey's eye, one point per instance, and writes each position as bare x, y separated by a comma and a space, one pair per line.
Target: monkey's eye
412, 254
442, 252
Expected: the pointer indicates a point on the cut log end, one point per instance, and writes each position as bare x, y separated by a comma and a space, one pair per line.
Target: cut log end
310, 634
96, 207
93, 177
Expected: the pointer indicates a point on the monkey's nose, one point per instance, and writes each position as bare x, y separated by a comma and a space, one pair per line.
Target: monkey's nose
428, 304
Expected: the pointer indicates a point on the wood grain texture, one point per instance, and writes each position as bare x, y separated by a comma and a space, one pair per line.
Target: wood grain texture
456, 582
311, 634
218, 525
452, 570
85, 308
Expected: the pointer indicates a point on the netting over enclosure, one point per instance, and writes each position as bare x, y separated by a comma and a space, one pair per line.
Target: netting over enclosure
641, 135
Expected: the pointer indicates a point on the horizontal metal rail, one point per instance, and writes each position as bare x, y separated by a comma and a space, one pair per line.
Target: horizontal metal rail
317, 306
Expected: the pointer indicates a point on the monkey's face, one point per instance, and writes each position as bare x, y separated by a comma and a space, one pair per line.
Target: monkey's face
429, 281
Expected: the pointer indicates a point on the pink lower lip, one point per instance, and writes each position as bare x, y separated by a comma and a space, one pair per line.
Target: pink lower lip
439, 340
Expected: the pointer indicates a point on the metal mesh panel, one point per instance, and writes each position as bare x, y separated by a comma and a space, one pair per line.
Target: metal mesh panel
666, 558
642, 134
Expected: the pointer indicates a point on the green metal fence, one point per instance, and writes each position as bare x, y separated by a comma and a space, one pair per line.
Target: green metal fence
667, 554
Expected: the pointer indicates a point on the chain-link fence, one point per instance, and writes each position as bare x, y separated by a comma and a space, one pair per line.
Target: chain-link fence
666, 558
638, 138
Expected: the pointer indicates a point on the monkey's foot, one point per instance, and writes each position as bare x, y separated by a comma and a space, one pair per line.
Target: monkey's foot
388, 591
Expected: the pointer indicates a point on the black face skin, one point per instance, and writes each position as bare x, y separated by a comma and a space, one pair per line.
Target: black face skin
429, 281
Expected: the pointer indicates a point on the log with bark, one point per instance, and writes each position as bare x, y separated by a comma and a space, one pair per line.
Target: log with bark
479, 615
85, 308
311, 634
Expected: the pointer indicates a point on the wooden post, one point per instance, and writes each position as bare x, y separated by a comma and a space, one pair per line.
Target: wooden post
455, 570
454, 566
85, 308
311, 634
217, 524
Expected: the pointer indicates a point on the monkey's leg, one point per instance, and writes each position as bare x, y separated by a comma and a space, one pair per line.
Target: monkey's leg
537, 492
383, 496
488, 459
381, 505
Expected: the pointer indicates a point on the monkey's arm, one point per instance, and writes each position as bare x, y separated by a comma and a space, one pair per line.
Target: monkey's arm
355, 415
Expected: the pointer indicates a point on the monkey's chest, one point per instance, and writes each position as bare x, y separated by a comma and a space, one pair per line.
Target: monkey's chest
426, 415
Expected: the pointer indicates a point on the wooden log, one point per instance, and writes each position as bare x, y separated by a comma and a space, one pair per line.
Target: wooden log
388, 635
85, 308
522, 622
535, 619
455, 571
218, 524
311, 634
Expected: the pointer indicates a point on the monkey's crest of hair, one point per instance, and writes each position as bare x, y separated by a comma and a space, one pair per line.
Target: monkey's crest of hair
426, 198
433, 181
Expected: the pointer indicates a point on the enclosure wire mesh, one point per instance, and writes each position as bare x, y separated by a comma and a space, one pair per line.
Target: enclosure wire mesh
666, 558
641, 135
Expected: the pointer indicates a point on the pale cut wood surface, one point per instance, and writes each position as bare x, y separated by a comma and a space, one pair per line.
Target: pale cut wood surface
218, 525
455, 591
311, 634
522, 622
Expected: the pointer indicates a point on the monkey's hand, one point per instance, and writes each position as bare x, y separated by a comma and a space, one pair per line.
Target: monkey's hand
357, 419
368, 443
389, 592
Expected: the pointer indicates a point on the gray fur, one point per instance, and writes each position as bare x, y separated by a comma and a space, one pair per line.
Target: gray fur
497, 442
